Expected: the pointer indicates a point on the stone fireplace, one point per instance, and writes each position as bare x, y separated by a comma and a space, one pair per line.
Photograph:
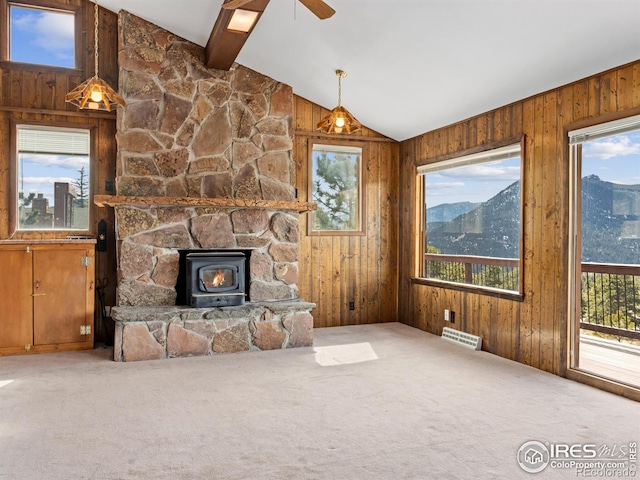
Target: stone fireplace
204, 162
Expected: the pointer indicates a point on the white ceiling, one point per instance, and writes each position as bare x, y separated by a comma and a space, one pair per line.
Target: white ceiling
417, 65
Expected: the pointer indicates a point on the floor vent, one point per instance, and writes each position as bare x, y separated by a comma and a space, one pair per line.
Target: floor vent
462, 338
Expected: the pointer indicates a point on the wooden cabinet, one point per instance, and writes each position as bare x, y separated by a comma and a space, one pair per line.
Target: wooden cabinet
46, 296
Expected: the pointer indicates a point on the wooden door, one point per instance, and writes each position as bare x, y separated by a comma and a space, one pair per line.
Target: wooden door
16, 326
59, 295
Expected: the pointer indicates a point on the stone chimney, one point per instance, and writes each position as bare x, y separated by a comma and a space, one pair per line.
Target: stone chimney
190, 132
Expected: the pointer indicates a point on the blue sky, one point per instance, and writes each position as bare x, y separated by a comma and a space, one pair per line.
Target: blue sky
614, 159
38, 173
475, 183
42, 37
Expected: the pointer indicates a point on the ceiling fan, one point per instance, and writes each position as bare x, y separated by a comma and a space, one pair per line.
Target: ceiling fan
318, 7
235, 23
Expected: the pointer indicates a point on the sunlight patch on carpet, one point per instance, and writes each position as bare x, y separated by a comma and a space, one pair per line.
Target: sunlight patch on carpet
344, 354
5, 382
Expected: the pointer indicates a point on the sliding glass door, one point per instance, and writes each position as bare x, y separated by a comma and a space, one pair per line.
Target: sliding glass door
605, 290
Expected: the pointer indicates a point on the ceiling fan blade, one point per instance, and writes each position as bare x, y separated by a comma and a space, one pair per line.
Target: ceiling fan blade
231, 4
319, 8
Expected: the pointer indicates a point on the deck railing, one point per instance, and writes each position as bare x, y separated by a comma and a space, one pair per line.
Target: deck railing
486, 271
610, 300
610, 294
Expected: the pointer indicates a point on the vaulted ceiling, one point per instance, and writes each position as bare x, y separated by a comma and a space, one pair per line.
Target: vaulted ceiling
417, 65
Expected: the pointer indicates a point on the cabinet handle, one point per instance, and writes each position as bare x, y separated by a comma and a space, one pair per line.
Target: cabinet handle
37, 284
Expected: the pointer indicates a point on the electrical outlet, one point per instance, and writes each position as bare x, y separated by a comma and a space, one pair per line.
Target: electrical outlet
352, 305
446, 315
452, 317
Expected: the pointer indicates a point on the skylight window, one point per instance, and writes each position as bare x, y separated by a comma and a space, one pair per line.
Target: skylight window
41, 36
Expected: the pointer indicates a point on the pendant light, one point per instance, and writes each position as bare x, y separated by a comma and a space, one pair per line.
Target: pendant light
95, 93
339, 119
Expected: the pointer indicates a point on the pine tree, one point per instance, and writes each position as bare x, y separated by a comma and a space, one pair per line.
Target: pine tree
82, 188
26, 201
335, 192
31, 217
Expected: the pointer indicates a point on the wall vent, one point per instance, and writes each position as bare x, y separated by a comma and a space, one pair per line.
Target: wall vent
462, 338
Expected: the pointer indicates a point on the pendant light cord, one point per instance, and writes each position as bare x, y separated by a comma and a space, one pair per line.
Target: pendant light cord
340, 74
95, 40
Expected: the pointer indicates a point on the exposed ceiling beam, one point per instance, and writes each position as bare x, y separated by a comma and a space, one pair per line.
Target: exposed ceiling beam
224, 45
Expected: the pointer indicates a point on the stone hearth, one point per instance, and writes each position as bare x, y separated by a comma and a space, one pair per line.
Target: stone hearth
150, 333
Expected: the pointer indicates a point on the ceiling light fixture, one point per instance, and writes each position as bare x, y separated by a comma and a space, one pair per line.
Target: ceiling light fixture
94, 93
242, 20
339, 118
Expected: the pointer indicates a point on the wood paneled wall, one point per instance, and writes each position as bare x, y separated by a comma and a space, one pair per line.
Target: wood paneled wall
36, 93
533, 331
337, 269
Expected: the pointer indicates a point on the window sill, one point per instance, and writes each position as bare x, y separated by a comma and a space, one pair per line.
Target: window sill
491, 292
9, 64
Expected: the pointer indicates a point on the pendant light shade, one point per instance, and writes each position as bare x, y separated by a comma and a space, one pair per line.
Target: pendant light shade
339, 119
94, 93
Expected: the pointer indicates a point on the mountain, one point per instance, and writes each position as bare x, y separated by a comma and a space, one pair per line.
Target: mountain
446, 212
610, 225
491, 229
610, 222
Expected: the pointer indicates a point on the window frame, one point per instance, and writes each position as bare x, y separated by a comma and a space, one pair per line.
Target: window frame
14, 223
453, 160
361, 182
51, 5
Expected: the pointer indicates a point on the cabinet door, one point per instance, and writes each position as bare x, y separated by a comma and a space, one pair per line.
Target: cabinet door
16, 327
59, 296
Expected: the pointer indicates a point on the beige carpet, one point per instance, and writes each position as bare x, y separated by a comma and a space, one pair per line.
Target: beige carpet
368, 402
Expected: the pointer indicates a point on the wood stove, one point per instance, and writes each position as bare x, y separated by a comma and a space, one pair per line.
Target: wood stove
212, 278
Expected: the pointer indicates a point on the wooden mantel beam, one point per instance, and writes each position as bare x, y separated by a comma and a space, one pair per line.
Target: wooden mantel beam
132, 200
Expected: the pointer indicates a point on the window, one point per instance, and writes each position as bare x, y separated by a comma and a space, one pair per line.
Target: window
52, 181
41, 36
472, 212
336, 179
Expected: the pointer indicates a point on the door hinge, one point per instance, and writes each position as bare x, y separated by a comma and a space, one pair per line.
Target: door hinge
85, 329
85, 261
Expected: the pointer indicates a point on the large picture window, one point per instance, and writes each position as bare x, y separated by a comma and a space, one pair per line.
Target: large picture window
52, 180
472, 219
335, 186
